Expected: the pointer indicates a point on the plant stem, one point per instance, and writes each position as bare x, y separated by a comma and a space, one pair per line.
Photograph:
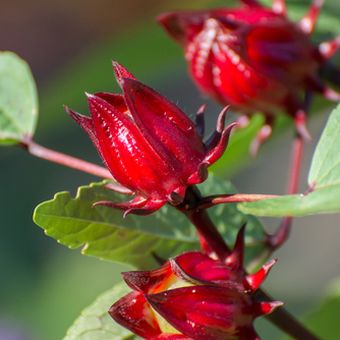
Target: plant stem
296, 162
78, 164
42, 152
206, 228
276, 240
211, 201
70, 162
65, 160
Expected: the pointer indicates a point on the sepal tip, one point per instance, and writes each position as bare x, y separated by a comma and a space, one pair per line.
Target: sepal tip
254, 281
265, 308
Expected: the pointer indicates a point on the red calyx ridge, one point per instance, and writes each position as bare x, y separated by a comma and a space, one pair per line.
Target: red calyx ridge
149, 145
254, 58
197, 296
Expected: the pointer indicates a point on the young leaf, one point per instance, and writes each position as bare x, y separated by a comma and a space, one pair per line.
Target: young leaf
95, 323
323, 179
139, 240
18, 99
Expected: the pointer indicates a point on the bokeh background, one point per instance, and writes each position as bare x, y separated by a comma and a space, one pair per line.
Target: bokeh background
69, 45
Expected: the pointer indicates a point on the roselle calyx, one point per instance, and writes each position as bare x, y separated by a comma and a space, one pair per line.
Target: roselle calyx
194, 296
254, 58
148, 144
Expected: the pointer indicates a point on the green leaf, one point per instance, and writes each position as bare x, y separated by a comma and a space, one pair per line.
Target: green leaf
134, 240
324, 178
18, 99
94, 323
324, 321
104, 233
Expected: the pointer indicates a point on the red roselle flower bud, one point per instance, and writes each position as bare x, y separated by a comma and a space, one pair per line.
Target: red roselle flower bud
254, 58
194, 296
149, 145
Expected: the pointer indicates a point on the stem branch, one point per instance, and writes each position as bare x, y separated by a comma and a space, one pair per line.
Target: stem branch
208, 231
210, 201
65, 160
276, 240
71, 162
206, 228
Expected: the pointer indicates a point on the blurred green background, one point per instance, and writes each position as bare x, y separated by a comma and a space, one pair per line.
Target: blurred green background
69, 45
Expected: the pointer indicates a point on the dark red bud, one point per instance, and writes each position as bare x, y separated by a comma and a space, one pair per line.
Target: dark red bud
204, 312
253, 58
149, 145
197, 296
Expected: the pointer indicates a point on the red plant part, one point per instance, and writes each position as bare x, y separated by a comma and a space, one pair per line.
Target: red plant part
149, 145
254, 58
194, 296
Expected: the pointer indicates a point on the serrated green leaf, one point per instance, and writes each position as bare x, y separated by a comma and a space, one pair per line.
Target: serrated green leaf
324, 178
134, 240
104, 233
324, 321
94, 323
18, 99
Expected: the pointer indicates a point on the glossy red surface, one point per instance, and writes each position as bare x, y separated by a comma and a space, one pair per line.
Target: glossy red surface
149, 145
199, 296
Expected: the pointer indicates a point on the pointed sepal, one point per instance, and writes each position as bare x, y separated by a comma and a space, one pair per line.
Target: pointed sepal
266, 307
254, 281
216, 153
235, 259
149, 282
134, 313
85, 123
121, 73
138, 205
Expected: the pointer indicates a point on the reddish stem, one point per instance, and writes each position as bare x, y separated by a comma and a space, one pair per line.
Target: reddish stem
211, 201
65, 160
208, 231
276, 240
296, 162
70, 162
